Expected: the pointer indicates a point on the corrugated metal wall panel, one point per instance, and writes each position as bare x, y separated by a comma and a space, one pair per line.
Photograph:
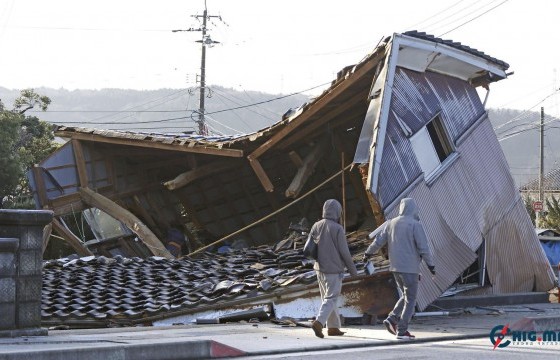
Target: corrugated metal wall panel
451, 255
472, 200
516, 260
416, 99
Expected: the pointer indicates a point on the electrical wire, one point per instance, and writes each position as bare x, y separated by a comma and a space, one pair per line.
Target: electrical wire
237, 103
474, 18
524, 113
267, 101
462, 15
434, 15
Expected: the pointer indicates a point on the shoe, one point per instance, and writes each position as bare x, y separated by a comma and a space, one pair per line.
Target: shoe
406, 336
390, 325
335, 332
318, 329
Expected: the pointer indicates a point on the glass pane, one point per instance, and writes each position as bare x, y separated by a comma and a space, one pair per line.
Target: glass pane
103, 225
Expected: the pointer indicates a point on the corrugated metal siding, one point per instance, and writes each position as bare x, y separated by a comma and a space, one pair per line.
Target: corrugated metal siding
416, 99
451, 255
474, 200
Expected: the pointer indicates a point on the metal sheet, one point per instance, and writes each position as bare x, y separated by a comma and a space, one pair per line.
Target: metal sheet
472, 200
416, 99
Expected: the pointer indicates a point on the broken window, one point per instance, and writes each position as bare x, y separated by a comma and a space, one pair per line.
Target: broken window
103, 225
431, 145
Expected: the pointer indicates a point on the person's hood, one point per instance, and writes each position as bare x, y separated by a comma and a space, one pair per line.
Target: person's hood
408, 208
332, 210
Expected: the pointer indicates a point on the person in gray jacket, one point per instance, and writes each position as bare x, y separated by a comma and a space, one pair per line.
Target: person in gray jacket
408, 246
333, 257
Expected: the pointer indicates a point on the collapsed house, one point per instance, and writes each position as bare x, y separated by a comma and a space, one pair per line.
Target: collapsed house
407, 121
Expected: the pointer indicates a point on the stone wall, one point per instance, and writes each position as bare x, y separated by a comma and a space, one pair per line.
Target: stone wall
21, 244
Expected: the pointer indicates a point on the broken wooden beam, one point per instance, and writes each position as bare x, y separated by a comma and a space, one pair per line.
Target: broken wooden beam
261, 174
146, 235
189, 176
306, 169
72, 240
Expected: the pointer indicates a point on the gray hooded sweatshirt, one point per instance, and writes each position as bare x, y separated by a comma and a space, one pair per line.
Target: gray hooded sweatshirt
406, 239
330, 237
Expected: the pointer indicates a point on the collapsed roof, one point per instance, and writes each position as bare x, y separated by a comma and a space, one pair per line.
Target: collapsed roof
359, 141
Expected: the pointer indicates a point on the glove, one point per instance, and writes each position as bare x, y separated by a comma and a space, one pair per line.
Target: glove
432, 269
366, 258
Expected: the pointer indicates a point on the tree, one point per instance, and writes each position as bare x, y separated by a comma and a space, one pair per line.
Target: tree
24, 141
529, 207
552, 218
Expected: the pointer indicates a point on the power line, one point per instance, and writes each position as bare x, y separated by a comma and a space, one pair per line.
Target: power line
474, 18
267, 101
434, 15
462, 15
524, 113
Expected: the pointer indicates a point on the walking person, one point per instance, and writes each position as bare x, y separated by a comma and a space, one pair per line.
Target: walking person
408, 246
333, 257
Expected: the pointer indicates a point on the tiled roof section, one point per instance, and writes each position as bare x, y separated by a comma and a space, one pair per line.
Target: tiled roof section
153, 136
121, 290
551, 182
456, 45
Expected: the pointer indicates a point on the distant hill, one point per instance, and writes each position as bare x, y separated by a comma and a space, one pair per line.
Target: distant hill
164, 110
171, 111
522, 148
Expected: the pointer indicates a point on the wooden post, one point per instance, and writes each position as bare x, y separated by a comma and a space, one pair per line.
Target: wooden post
80, 162
99, 201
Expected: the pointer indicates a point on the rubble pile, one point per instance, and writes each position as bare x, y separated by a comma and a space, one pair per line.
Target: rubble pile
112, 290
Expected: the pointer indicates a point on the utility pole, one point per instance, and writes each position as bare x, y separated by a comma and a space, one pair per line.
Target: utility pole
541, 165
205, 41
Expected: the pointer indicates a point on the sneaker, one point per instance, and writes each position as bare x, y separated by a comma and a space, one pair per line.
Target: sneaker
390, 325
318, 329
406, 336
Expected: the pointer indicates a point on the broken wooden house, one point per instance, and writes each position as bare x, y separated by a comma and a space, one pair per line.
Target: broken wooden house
406, 121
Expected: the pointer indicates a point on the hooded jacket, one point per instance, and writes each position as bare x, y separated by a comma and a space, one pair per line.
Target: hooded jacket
406, 239
333, 252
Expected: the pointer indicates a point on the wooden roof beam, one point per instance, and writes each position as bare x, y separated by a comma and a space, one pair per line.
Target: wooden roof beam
337, 111
363, 71
189, 176
151, 144
306, 169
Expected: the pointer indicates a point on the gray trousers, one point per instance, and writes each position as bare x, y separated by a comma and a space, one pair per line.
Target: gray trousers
404, 308
329, 287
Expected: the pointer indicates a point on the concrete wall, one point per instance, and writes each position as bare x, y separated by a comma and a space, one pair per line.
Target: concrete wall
21, 243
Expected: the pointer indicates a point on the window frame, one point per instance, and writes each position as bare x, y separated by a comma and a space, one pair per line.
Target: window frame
439, 149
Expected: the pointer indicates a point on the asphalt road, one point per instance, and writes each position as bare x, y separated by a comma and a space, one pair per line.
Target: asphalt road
445, 350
